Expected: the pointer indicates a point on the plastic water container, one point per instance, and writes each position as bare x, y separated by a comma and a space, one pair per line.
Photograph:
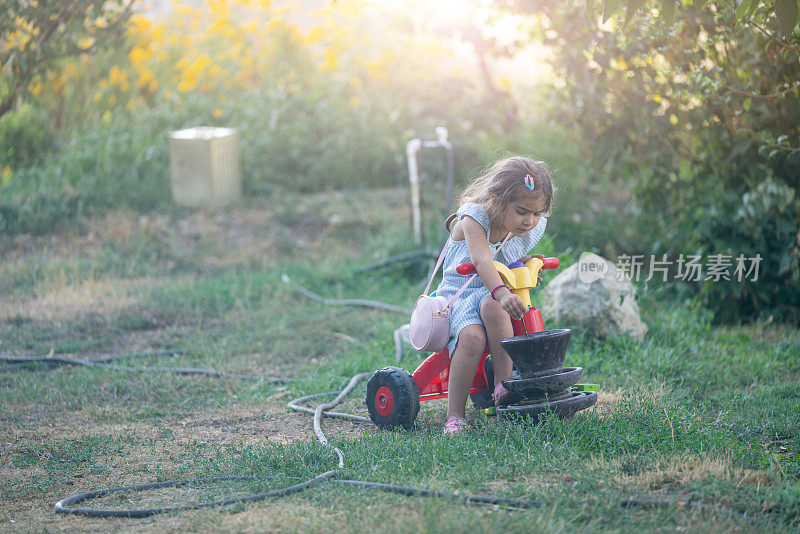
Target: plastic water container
204, 166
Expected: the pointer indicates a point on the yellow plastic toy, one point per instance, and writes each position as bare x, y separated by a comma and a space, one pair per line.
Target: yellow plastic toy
521, 278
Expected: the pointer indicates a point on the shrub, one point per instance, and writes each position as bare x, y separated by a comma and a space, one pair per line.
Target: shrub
706, 138
26, 137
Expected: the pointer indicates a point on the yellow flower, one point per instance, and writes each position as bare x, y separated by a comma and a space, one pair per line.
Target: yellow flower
187, 84
158, 33
116, 76
656, 98
249, 27
315, 34
217, 113
331, 62
136, 55
86, 43
5, 177
145, 77
351, 8
36, 89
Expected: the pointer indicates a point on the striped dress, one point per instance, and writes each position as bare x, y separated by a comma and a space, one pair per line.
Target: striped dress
466, 310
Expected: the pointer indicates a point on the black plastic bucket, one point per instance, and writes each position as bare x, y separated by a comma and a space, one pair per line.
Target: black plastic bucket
532, 353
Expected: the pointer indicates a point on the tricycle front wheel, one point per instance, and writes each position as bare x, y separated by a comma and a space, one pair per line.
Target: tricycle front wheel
392, 398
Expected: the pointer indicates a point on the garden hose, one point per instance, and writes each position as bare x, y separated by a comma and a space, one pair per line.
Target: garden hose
343, 302
64, 506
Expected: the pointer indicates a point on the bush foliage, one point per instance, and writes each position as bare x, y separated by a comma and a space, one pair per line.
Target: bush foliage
700, 120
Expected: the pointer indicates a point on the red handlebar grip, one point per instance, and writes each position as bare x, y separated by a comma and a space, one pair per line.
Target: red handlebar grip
466, 268
551, 263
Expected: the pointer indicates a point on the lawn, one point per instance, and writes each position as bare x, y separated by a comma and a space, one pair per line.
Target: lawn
703, 416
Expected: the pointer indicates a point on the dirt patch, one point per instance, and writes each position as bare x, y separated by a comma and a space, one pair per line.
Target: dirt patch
606, 402
218, 239
228, 426
104, 298
676, 472
258, 427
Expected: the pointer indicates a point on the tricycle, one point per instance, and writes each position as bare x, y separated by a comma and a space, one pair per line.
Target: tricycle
394, 394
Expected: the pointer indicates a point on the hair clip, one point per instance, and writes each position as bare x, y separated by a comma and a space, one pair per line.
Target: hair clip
529, 182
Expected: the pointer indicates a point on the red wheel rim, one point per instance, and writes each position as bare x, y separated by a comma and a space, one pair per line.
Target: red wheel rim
384, 401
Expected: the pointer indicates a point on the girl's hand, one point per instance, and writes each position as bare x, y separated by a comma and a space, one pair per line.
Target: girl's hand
512, 304
529, 257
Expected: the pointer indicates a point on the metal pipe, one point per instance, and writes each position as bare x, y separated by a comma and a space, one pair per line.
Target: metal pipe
441, 135
413, 148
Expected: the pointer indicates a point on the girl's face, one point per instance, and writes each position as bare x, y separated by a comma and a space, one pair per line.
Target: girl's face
522, 214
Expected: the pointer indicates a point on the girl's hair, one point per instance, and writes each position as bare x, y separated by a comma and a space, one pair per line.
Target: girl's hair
506, 180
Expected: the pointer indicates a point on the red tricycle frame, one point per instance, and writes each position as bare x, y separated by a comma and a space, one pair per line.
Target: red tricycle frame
432, 375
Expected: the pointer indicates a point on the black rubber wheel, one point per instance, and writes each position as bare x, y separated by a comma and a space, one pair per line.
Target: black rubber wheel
392, 398
484, 399
564, 408
550, 381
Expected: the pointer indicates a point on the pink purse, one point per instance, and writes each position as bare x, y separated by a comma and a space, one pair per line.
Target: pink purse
429, 329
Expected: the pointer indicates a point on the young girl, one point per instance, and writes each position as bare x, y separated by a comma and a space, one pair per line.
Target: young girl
508, 201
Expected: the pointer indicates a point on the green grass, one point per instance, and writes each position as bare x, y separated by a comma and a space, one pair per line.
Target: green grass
59, 459
696, 412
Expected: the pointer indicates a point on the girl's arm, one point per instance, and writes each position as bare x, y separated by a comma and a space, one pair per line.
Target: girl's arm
475, 236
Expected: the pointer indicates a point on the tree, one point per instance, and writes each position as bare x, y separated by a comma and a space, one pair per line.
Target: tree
35, 34
694, 107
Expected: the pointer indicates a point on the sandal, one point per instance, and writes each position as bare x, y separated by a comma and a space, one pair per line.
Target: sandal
502, 396
455, 425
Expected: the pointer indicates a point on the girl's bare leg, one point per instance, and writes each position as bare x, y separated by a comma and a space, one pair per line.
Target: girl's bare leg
498, 326
470, 347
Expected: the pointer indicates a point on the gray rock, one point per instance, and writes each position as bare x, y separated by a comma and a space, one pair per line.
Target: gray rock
401, 339
595, 295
